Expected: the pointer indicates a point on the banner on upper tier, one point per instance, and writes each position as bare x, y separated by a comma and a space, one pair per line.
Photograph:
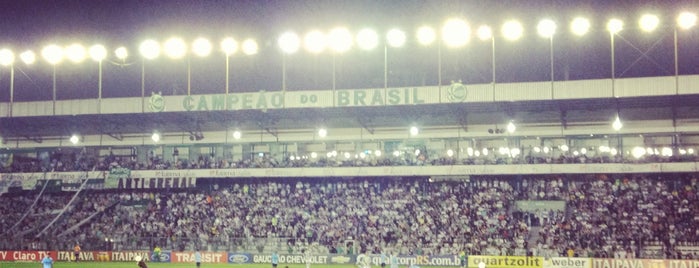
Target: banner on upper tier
28, 256
562, 262
100, 256
506, 261
206, 257
628, 263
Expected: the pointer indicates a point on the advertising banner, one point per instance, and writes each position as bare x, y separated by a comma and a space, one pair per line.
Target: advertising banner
426, 260
25, 256
84, 256
130, 255
682, 264
628, 263
206, 257
290, 258
562, 262
165, 256
239, 257
506, 261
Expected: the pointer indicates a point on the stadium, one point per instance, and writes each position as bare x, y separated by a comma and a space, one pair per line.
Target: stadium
471, 140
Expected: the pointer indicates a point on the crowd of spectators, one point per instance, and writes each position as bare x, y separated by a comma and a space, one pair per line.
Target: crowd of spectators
80, 159
602, 217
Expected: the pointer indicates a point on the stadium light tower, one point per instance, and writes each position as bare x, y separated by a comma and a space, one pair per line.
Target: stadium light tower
7, 58
53, 54
98, 53
547, 29
75, 53
121, 53
201, 47
512, 30
685, 21
614, 26
455, 33
580, 26
150, 49
485, 33
289, 43
394, 38
229, 46
250, 47
339, 41
426, 35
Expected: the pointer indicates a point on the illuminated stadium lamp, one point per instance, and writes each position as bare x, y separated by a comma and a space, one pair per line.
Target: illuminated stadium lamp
484, 151
511, 128
450, 153
395, 38
484, 33
686, 20
340, 40
414, 131
377, 153
514, 152
690, 151
638, 152
576, 153
512, 30
362, 155
28, 57
7, 58
347, 155
648, 22
613, 151
367, 39
537, 149
155, 137
229, 46
417, 152
615, 26
546, 28
396, 153
617, 125
322, 133
97, 53
650, 151
426, 35
477, 153
583, 150
75, 53
666, 151
546, 149
315, 42
564, 148
175, 48
74, 139
456, 33
121, 53
580, 26
149, 49
201, 47
469, 151
289, 42
250, 47
314, 155
53, 54
237, 135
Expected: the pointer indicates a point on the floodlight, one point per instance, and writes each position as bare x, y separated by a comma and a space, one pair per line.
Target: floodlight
564, 148
237, 135
484, 33
155, 137
395, 38
367, 39
201, 47
175, 48
315, 42
686, 20
456, 33
450, 153
74, 139
97, 52
53, 54
512, 30
289, 42
426, 35
580, 26
377, 153
28, 57
75, 53
414, 131
638, 152
150, 49
617, 125
7, 58
340, 39
615, 26
511, 128
314, 155
648, 22
546, 28
250, 47
229, 46
322, 133
121, 53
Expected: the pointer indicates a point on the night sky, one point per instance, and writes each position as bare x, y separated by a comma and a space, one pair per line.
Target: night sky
33, 24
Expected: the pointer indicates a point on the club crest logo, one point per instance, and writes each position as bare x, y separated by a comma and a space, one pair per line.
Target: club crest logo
156, 102
457, 92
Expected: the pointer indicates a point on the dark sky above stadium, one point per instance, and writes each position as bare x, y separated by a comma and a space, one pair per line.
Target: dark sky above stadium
32, 24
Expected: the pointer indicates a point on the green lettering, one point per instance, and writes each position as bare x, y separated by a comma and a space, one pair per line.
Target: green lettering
231, 102
203, 106
393, 96
417, 100
247, 101
342, 98
261, 101
277, 100
359, 96
187, 103
406, 96
217, 102
377, 99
